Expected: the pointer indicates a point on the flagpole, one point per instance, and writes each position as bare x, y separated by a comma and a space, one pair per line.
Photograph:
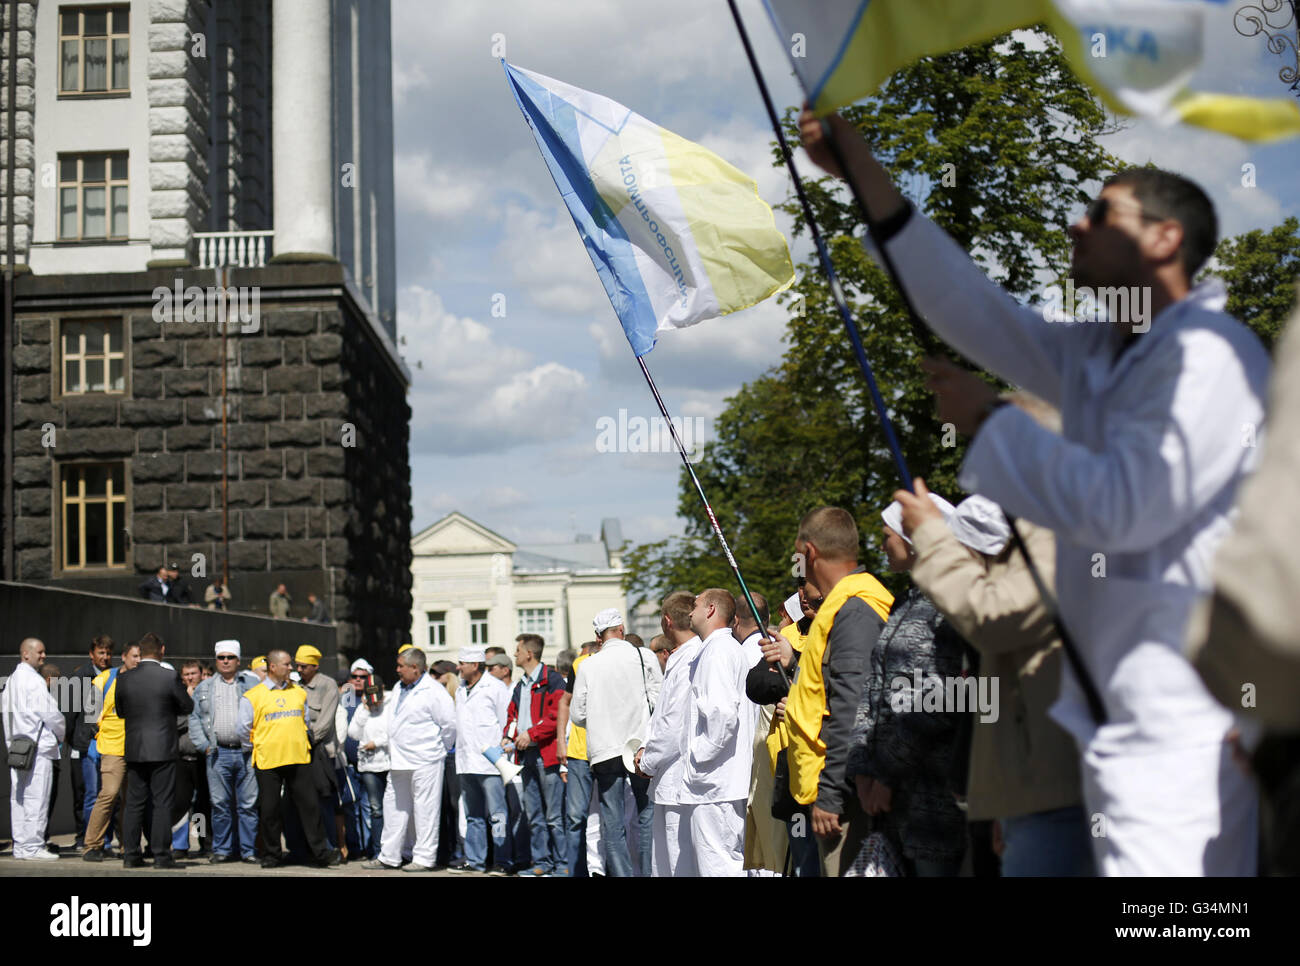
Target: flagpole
837, 291
1096, 707
713, 519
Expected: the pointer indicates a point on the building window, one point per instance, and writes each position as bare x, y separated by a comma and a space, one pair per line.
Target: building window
437, 628
478, 627
94, 50
92, 196
537, 620
94, 356
93, 500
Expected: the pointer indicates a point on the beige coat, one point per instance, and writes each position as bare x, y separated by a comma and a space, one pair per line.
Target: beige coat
1023, 762
1244, 639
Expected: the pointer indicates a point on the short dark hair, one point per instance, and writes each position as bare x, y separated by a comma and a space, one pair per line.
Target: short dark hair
832, 531
533, 642
440, 668
635, 640
151, 645
746, 616
1165, 194
192, 662
102, 640
722, 600
678, 606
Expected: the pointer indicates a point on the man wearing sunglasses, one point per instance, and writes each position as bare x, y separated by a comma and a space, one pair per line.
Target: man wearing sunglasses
1160, 427
214, 729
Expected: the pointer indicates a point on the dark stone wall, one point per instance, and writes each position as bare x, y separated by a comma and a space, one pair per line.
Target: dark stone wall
317, 430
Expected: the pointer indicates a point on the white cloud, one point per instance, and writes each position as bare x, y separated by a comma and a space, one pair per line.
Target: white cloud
441, 192
545, 256
472, 395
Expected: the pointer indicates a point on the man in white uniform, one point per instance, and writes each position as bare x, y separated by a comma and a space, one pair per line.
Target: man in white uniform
663, 759
481, 704
1162, 410
31, 712
421, 723
719, 739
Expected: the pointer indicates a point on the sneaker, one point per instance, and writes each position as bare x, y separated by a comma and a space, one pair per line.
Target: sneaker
538, 871
416, 867
460, 865
499, 870
376, 864
41, 856
216, 858
250, 859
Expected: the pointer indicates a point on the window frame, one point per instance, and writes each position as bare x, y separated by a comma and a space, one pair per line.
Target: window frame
441, 624
548, 633
484, 622
62, 469
58, 376
80, 185
110, 35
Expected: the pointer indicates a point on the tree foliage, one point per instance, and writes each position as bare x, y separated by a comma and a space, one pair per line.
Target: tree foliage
1261, 269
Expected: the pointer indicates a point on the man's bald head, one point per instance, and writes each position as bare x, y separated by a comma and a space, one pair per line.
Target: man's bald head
32, 651
714, 608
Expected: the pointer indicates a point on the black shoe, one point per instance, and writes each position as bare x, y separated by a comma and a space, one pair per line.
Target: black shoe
218, 859
93, 855
334, 858
271, 862
250, 859
130, 863
164, 862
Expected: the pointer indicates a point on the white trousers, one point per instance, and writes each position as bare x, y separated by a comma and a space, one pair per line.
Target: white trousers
717, 835
29, 806
412, 798
1185, 812
672, 853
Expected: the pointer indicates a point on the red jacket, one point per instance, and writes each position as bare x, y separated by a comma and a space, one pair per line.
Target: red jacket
544, 708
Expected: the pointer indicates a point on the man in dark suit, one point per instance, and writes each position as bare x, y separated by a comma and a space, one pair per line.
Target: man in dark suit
156, 588
148, 699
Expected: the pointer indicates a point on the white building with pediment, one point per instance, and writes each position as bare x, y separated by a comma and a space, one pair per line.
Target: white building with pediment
470, 585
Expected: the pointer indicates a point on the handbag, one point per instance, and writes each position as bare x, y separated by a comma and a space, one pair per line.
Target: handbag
877, 859
22, 750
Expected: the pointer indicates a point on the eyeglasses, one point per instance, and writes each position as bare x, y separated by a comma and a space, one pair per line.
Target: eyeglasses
1100, 208
227, 657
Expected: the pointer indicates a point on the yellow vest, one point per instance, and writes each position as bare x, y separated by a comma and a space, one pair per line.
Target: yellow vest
791, 633
111, 739
279, 726
578, 736
806, 707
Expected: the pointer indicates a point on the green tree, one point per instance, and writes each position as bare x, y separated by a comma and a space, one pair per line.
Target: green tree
995, 143
1261, 269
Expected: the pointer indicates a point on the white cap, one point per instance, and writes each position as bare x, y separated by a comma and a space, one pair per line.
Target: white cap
794, 608
893, 514
473, 655
226, 647
607, 618
361, 664
979, 523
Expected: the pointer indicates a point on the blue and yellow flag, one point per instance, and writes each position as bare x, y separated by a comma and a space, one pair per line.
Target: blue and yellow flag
677, 234
1141, 57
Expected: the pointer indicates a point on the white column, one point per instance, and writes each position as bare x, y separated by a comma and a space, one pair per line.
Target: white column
301, 107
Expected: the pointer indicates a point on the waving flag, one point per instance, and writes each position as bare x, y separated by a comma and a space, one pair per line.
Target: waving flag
677, 234
1140, 56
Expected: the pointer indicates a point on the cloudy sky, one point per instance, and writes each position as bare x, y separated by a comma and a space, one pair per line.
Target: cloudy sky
506, 403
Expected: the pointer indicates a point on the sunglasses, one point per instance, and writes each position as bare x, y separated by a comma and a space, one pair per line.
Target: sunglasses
359, 677
1100, 209
227, 657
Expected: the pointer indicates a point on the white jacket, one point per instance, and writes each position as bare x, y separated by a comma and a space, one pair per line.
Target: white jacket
613, 695
27, 706
421, 731
480, 721
363, 731
1141, 483
720, 723
665, 743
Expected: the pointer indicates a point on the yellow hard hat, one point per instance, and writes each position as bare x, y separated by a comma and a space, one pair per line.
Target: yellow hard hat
307, 655
405, 647
259, 662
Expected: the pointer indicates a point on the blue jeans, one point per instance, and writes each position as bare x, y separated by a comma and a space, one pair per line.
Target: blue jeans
90, 776
232, 786
485, 802
373, 784
1051, 843
515, 853
577, 803
542, 789
805, 859
610, 779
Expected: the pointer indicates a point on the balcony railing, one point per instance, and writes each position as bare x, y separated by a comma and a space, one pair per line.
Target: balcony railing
233, 249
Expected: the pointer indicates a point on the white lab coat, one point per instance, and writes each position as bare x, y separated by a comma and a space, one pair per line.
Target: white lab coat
421, 731
665, 744
719, 723
480, 721
364, 730
613, 694
30, 711
1139, 490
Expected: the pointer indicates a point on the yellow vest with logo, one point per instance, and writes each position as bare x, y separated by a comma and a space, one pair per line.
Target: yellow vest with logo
279, 726
111, 739
805, 710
